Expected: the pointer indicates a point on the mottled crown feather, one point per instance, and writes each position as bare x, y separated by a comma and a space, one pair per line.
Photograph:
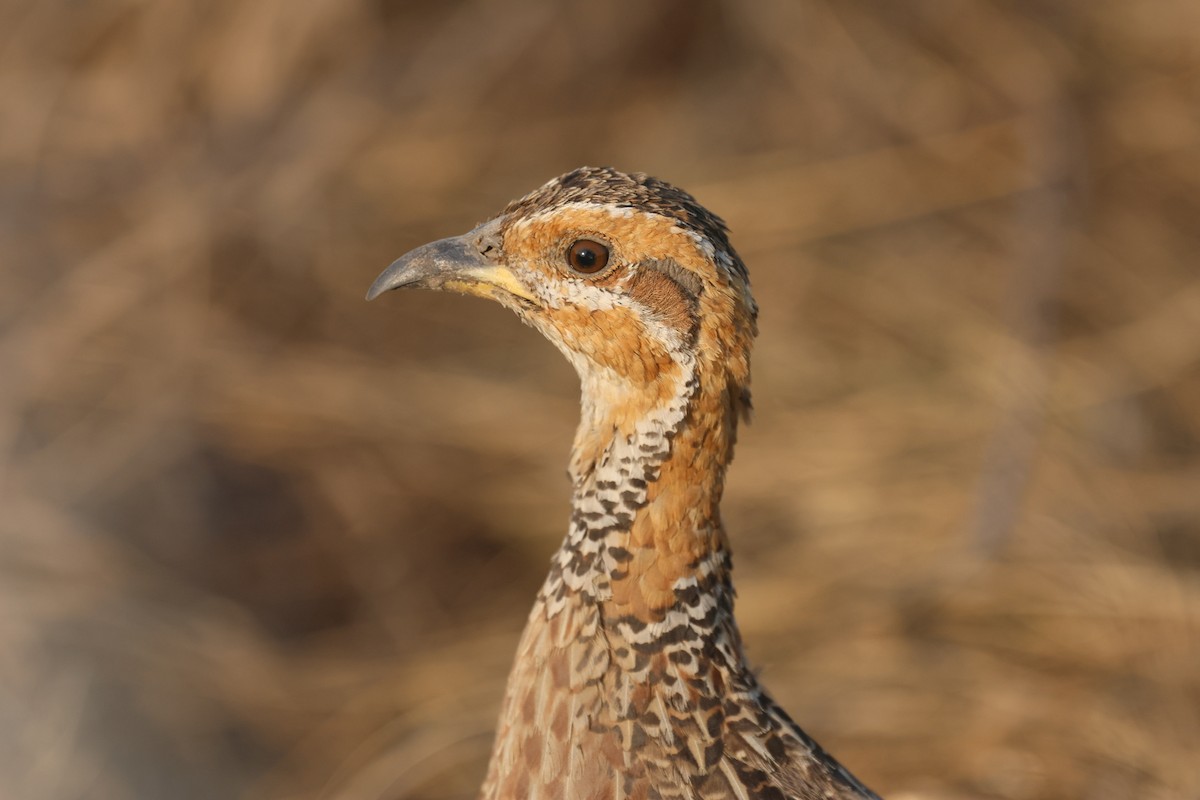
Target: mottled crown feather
637, 190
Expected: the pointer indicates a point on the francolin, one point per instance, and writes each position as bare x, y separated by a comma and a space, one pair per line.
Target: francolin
630, 680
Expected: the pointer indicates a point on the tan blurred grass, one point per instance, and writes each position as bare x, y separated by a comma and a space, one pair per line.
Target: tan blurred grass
260, 540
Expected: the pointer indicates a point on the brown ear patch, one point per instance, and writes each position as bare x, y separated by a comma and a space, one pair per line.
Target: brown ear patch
654, 287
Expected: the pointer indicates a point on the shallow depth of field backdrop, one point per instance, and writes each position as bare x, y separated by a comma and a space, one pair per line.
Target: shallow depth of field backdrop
260, 539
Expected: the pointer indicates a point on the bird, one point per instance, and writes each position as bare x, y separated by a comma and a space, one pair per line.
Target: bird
630, 679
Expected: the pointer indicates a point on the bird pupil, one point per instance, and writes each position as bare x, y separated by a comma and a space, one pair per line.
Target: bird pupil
585, 256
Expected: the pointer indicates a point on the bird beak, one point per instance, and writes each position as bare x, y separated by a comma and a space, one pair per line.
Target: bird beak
467, 264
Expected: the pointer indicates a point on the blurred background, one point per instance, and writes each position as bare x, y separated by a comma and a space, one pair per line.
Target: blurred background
259, 539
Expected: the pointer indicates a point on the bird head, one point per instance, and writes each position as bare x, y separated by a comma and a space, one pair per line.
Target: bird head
631, 278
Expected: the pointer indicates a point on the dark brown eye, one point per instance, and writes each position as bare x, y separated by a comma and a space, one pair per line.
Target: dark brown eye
587, 256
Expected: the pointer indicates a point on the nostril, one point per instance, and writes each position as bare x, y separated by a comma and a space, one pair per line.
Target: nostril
485, 245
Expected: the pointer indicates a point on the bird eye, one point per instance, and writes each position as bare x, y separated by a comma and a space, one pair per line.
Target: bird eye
587, 256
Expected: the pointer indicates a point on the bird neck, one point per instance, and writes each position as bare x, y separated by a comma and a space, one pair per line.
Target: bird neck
648, 471
636, 615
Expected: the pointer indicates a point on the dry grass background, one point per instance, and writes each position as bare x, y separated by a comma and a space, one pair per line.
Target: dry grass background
261, 540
